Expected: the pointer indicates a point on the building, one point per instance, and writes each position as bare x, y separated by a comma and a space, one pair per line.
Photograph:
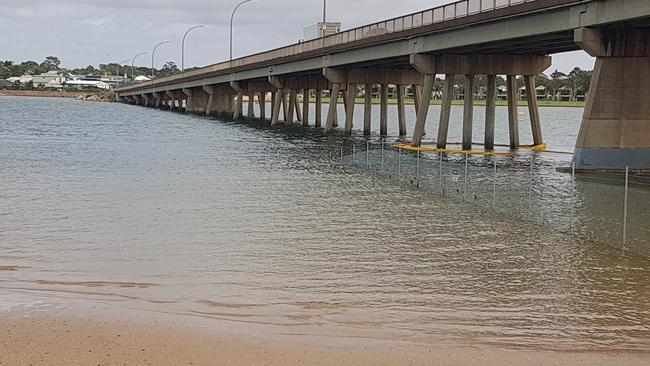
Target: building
320, 30
6, 84
50, 79
22, 79
87, 84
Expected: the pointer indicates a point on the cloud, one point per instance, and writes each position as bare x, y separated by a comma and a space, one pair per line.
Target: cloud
82, 32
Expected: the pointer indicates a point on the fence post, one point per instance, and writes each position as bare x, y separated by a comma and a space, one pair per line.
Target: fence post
466, 168
627, 183
382, 153
353, 152
494, 186
417, 168
573, 194
399, 163
442, 186
368, 154
341, 154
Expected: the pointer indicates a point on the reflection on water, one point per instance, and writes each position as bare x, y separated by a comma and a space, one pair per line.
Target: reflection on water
237, 222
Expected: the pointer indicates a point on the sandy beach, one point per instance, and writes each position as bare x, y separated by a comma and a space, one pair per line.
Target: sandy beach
91, 338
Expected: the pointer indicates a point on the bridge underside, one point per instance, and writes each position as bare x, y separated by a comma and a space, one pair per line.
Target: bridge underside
615, 131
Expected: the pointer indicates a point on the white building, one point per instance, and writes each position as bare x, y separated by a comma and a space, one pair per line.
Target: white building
50, 79
320, 30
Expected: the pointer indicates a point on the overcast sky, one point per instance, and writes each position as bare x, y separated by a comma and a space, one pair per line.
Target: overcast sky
90, 32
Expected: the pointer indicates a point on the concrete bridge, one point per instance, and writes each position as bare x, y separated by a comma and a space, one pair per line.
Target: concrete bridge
468, 38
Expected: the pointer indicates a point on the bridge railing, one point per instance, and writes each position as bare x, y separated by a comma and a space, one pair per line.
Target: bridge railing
443, 13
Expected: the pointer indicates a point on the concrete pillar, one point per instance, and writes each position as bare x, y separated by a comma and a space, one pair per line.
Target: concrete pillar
239, 101
383, 112
331, 112
490, 111
250, 113
209, 90
296, 104
468, 112
285, 111
275, 110
305, 107
349, 108
319, 108
262, 101
367, 110
513, 116
417, 96
291, 107
535, 123
189, 105
615, 129
172, 99
445, 111
401, 109
423, 111
158, 100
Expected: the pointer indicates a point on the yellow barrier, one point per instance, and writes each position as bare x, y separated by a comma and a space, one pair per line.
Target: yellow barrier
452, 151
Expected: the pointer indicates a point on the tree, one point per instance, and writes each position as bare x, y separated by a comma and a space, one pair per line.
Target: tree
51, 63
169, 69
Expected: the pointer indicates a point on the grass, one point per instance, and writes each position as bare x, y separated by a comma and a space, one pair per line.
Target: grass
541, 103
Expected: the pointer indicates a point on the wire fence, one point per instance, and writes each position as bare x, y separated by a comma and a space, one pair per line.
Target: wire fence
612, 209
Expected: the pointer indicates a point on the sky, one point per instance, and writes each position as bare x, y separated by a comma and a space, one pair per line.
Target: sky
93, 32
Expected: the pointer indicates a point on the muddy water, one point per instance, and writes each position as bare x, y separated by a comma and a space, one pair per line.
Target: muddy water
233, 222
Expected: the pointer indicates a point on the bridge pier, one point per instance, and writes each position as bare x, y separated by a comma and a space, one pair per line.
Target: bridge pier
351, 95
468, 112
615, 129
445, 111
305, 107
490, 111
383, 110
262, 101
318, 108
401, 109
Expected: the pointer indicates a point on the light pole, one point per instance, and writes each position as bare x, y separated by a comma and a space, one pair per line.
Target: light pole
133, 65
183, 45
119, 66
153, 58
231, 19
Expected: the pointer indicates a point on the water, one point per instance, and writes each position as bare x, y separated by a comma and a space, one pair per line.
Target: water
250, 225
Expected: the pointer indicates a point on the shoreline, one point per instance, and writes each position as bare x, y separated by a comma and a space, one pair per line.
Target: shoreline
38, 329
44, 93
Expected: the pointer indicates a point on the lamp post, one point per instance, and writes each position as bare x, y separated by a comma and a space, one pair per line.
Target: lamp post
183, 45
153, 58
133, 65
119, 66
231, 19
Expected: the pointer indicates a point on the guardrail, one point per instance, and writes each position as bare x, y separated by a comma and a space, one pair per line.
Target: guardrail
452, 11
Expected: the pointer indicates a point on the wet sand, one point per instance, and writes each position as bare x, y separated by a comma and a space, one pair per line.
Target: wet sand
28, 338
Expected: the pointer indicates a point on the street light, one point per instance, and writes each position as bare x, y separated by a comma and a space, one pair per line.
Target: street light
119, 66
231, 19
153, 58
183, 45
133, 65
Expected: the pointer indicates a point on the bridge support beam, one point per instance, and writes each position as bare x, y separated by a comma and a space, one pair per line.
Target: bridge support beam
490, 111
305, 107
427, 66
250, 112
535, 124
468, 112
445, 111
401, 109
318, 108
350, 97
513, 111
262, 101
383, 110
615, 130
367, 109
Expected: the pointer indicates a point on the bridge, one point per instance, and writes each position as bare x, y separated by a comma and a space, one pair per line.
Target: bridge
469, 38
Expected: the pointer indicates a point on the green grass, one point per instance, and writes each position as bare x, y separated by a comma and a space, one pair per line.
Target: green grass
541, 103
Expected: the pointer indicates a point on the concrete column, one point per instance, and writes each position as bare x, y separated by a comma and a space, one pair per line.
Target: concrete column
417, 96
513, 113
349, 108
291, 106
262, 101
331, 112
445, 111
319, 108
296, 104
383, 112
367, 110
172, 99
423, 110
401, 109
275, 110
285, 111
468, 112
238, 105
533, 110
146, 99
490, 111
189, 105
305, 107
250, 113
209, 90
158, 98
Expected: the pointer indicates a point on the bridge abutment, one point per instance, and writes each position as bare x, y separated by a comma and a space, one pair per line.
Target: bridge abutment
615, 130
